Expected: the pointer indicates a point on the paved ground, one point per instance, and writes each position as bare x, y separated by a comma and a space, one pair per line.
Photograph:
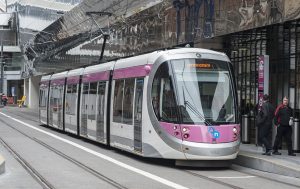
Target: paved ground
65, 161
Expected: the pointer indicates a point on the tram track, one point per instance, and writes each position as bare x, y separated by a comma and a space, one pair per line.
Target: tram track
34, 173
211, 179
30, 169
237, 187
99, 175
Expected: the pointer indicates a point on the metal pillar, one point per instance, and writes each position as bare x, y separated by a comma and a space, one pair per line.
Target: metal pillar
104, 33
246, 129
178, 5
106, 36
296, 135
1, 79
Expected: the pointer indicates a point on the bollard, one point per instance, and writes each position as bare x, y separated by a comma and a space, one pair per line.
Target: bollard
245, 129
296, 135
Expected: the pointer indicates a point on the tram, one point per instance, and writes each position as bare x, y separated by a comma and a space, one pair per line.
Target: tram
175, 104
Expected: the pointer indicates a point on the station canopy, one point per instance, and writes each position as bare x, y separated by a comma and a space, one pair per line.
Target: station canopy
79, 34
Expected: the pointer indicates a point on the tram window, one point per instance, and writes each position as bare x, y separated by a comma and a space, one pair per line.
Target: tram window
138, 99
84, 98
163, 98
118, 97
71, 99
43, 97
128, 101
123, 101
101, 102
168, 110
204, 92
92, 101
56, 98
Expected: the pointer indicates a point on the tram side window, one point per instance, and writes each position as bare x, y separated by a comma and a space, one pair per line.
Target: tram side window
118, 98
71, 99
92, 100
101, 101
84, 98
163, 98
56, 97
128, 101
52, 103
123, 101
138, 99
43, 97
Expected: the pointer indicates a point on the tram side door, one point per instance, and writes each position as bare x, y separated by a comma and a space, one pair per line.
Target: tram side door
101, 112
91, 110
84, 109
138, 106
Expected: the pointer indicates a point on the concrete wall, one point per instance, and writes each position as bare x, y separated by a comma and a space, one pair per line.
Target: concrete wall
33, 92
26, 90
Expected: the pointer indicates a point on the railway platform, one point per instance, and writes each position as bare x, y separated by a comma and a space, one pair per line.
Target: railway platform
251, 156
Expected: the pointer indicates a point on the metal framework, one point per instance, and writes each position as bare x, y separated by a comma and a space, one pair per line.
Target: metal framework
282, 43
104, 33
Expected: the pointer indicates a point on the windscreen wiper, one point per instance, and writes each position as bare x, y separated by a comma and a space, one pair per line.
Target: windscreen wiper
196, 112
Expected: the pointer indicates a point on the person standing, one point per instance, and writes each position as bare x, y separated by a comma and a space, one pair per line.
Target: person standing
265, 124
283, 114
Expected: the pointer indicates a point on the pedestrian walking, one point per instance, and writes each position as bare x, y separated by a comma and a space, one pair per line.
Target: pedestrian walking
283, 121
265, 118
4, 99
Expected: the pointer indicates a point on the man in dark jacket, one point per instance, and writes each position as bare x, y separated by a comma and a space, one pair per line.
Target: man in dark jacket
283, 114
265, 125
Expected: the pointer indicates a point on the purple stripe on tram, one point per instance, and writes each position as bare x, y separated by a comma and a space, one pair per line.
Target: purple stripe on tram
92, 77
202, 133
44, 82
73, 80
43, 86
136, 71
58, 81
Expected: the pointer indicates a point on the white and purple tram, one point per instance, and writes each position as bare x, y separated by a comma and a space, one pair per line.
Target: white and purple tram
174, 104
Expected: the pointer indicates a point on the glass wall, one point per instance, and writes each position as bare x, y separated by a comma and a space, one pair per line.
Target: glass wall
282, 43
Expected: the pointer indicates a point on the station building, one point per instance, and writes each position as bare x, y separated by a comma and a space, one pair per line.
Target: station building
20, 21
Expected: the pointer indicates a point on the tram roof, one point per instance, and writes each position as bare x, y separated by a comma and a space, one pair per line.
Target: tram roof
99, 68
59, 75
46, 78
75, 72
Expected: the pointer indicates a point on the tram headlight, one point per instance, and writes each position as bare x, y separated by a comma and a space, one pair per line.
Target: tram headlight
186, 136
234, 130
184, 129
